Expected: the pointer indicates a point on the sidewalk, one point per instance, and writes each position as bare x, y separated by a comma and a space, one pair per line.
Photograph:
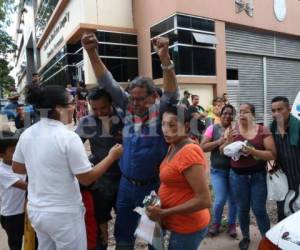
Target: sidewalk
3, 240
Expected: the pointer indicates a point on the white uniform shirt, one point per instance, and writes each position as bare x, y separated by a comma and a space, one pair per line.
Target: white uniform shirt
12, 199
53, 155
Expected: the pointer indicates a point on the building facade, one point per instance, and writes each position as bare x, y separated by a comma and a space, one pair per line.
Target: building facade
247, 48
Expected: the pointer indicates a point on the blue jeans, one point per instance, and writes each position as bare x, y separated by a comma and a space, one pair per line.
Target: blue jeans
251, 191
222, 188
129, 197
186, 241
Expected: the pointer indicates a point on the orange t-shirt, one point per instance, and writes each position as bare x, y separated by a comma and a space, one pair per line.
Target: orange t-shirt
175, 190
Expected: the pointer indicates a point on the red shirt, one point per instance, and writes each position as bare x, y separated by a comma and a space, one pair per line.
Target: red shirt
248, 164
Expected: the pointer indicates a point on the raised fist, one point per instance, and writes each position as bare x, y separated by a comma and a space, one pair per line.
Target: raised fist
89, 41
161, 47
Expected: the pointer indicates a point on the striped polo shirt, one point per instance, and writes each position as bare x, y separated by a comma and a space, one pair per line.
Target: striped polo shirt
288, 157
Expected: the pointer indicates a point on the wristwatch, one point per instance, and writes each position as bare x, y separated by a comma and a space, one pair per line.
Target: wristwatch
168, 67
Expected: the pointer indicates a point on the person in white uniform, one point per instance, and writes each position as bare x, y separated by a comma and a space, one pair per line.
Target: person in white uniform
55, 160
12, 193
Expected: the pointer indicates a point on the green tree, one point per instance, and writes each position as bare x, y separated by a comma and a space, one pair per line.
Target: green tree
7, 83
7, 46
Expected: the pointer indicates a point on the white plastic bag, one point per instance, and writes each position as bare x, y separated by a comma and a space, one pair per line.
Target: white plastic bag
149, 230
277, 184
234, 150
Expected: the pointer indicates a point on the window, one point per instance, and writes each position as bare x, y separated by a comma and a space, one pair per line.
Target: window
232, 74
43, 15
162, 27
62, 68
117, 50
125, 66
111, 37
195, 23
193, 51
204, 62
123, 70
156, 68
120, 58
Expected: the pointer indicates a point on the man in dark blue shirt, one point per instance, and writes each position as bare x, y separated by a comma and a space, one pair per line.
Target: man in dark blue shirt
103, 129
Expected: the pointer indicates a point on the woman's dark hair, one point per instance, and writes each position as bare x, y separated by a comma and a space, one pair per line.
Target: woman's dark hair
46, 98
229, 107
251, 107
182, 113
97, 94
143, 82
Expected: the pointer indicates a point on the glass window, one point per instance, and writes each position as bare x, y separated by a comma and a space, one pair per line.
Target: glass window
43, 15
111, 50
204, 61
156, 69
100, 36
112, 37
130, 70
162, 27
185, 36
184, 21
195, 23
232, 74
185, 60
117, 50
128, 51
203, 24
122, 69
129, 39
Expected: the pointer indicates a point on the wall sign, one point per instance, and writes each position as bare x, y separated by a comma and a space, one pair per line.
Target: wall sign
57, 29
280, 10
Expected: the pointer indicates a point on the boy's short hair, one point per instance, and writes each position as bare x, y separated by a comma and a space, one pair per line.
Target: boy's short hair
7, 139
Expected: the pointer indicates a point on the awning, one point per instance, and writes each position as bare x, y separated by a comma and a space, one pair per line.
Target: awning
205, 38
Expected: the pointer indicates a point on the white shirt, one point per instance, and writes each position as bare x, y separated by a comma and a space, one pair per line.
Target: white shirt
53, 155
12, 199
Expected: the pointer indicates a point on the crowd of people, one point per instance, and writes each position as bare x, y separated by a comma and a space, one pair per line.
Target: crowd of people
141, 140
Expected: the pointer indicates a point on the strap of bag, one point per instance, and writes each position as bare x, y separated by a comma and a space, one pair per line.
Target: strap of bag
272, 166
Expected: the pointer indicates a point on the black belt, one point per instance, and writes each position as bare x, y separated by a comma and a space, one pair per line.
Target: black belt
141, 182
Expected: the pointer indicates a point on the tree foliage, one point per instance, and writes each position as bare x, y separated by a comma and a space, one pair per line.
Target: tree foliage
7, 45
7, 83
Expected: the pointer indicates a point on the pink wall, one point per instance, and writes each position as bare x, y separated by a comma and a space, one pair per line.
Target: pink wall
148, 12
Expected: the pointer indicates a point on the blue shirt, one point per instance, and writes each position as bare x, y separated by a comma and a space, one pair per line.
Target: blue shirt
143, 141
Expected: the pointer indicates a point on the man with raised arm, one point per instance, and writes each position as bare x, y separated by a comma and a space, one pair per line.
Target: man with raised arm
144, 145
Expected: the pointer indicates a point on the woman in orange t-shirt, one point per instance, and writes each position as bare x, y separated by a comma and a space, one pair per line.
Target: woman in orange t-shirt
184, 191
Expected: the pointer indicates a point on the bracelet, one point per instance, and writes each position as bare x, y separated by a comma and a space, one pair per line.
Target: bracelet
168, 67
